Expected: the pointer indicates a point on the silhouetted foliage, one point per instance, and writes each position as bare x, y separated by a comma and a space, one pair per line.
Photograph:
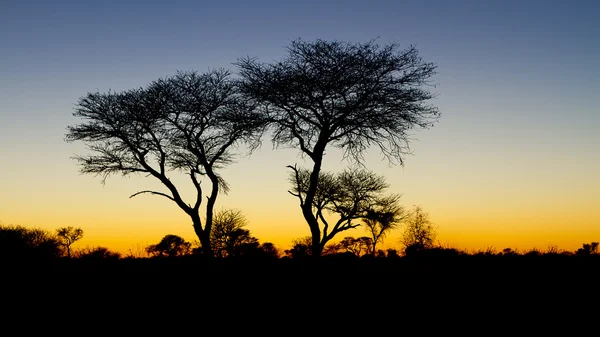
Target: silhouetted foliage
419, 232
300, 247
68, 236
348, 196
382, 218
188, 123
228, 236
392, 253
348, 95
588, 249
18, 242
269, 249
357, 246
97, 253
332, 248
508, 252
170, 245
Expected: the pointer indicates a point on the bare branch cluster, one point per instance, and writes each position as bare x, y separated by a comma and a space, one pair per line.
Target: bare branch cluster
349, 195
352, 96
188, 123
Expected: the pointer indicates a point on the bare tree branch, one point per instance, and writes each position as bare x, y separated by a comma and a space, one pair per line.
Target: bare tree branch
152, 192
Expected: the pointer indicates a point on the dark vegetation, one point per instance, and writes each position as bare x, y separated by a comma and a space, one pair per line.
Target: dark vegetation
35, 250
322, 95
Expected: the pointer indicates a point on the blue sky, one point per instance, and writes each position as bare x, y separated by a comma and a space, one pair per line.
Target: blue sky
517, 87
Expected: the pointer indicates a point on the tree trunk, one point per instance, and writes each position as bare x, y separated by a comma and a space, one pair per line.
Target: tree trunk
203, 236
307, 211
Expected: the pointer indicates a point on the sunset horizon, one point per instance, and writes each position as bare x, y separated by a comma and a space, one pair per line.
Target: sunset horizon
511, 162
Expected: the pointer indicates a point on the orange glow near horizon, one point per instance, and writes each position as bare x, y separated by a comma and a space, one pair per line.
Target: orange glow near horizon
488, 206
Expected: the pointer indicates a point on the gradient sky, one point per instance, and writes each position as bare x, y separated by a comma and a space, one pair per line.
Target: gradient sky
513, 162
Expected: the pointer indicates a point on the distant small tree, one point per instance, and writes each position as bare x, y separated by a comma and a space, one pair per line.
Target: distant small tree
384, 217
301, 247
332, 249
392, 253
357, 246
171, 246
97, 253
419, 232
588, 249
380, 253
269, 249
68, 236
229, 235
508, 252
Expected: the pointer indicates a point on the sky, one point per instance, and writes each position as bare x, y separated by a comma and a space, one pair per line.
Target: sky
513, 162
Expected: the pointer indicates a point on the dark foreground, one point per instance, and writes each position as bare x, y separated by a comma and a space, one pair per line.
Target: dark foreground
342, 269
478, 294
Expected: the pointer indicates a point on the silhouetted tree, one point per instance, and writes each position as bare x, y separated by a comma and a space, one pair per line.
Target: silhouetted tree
357, 246
588, 249
508, 252
170, 245
383, 218
392, 253
18, 242
228, 233
301, 247
97, 253
268, 249
331, 248
68, 236
188, 123
347, 196
350, 96
380, 253
419, 232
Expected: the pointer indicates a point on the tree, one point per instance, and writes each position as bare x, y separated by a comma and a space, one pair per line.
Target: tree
350, 96
383, 218
419, 232
22, 243
189, 123
229, 234
348, 196
588, 249
170, 245
357, 246
268, 249
68, 236
97, 253
301, 247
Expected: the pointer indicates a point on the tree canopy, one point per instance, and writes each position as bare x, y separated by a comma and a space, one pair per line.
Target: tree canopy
188, 123
348, 95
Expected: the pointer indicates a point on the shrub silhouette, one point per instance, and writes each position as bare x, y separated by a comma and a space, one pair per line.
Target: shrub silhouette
171, 245
97, 253
18, 242
588, 249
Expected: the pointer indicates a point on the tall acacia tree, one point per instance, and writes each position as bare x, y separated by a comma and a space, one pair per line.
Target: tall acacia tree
348, 95
383, 218
68, 236
189, 123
